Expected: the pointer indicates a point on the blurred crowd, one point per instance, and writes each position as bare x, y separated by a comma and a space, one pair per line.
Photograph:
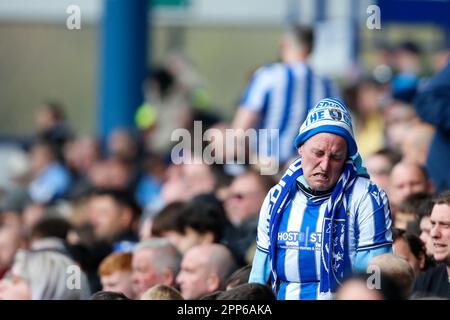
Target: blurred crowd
85, 218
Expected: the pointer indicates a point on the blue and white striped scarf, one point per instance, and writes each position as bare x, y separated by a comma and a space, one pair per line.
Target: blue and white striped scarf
335, 261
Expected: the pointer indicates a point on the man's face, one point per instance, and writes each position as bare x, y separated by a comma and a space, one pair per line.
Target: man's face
425, 228
145, 274
323, 157
406, 179
401, 248
193, 276
245, 199
105, 217
118, 281
190, 238
197, 179
379, 167
440, 232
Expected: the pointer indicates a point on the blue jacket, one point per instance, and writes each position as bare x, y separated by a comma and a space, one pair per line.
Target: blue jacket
433, 106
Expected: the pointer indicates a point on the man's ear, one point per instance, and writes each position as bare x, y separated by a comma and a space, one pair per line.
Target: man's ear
430, 186
422, 261
300, 150
168, 277
207, 238
213, 282
126, 217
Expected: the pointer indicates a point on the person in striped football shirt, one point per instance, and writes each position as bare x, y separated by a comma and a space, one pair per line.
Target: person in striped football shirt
325, 219
279, 94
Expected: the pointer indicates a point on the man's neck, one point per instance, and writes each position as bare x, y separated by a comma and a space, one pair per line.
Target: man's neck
304, 186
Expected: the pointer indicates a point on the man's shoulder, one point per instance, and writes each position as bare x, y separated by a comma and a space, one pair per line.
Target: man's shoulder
270, 69
433, 282
362, 186
365, 190
432, 275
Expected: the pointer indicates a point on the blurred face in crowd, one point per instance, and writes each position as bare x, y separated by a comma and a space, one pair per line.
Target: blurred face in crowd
355, 289
174, 188
40, 158
195, 278
121, 144
402, 219
45, 118
107, 217
425, 228
197, 179
9, 244
146, 273
190, 238
401, 248
415, 144
440, 232
118, 281
82, 154
323, 157
379, 168
368, 98
14, 287
406, 179
245, 198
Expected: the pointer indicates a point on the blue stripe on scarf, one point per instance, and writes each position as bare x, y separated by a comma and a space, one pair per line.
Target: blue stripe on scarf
336, 258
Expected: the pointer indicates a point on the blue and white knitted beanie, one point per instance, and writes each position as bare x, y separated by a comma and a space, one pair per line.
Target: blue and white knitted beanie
332, 116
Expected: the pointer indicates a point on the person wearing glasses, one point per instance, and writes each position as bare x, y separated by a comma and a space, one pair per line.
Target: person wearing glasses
245, 197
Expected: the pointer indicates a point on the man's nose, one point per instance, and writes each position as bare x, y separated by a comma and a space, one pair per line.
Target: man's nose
179, 278
434, 232
324, 163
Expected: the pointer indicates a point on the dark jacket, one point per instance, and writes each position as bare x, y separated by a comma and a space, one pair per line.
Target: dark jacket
433, 106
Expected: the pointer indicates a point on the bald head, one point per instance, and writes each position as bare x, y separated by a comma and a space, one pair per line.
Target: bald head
216, 257
407, 178
397, 268
204, 269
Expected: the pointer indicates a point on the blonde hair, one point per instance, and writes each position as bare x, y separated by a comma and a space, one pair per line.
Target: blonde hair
161, 292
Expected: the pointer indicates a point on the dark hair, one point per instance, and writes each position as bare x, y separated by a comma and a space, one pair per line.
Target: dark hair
51, 227
410, 47
416, 246
239, 277
108, 295
56, 109
50, 147
304, 35
418, 203
442, 198
265, 181
122, 197
167, 218
392, 155
201, 216
248, 291
221, 178
163, 78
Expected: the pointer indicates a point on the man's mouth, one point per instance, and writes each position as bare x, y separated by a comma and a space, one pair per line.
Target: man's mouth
321, 175
439, 246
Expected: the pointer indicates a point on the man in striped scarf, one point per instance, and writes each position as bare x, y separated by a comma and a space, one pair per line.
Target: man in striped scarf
325, 218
